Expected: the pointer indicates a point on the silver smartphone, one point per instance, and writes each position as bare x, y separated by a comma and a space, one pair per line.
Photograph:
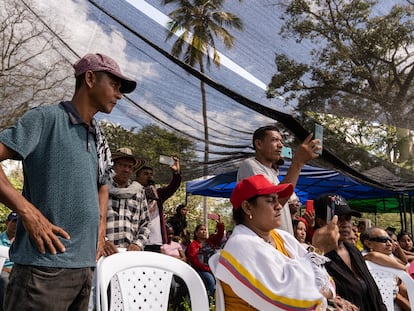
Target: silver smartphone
286, 152
318, 134
166, 160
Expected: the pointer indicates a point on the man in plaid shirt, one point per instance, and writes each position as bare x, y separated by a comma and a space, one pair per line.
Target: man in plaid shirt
127, 220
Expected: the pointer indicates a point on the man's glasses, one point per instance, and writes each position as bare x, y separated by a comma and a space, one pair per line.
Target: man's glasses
380, 239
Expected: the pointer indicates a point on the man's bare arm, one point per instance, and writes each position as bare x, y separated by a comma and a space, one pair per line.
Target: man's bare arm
303, 154
103, 196
41, 230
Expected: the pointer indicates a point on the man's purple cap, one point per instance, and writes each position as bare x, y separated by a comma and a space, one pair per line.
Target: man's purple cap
101, 62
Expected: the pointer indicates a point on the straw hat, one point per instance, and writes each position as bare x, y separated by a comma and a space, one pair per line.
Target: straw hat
125, 152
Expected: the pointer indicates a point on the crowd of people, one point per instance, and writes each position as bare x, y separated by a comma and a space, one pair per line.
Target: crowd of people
82, 201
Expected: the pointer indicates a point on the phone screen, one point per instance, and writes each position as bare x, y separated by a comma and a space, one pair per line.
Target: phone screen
318, 134
330, 209
213, 216
166, 160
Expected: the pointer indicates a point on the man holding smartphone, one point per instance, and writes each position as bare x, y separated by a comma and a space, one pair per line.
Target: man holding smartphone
268, 144
347, 267
156, 197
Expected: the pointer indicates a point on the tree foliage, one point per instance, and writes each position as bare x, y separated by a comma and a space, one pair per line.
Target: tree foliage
32, 72
362, 65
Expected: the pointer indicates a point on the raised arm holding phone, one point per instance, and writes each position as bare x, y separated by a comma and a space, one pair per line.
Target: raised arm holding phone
156, 197
268, 144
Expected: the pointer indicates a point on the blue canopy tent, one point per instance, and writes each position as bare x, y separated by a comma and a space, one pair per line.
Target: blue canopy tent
313, 181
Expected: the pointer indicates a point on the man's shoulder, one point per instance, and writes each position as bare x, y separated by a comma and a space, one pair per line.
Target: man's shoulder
247, 168
4, 239
251, 166
3, 233
49, 108
248, 162
43, 112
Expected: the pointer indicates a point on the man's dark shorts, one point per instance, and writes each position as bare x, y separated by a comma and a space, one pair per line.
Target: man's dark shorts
48, 289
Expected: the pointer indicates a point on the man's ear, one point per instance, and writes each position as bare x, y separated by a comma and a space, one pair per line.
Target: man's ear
257, 144
89, 78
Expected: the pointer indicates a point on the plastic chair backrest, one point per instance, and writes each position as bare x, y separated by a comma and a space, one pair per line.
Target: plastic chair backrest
141, 281
219, 295
4, 251
384, 277
125, 284
4, 254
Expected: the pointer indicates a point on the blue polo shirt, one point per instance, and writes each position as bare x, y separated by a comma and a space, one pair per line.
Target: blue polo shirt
60, 167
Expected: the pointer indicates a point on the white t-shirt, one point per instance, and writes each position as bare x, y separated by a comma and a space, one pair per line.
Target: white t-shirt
251, 167
155, 237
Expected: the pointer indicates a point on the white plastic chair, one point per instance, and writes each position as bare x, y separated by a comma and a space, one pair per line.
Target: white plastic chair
141, 281
218, 295
384, 277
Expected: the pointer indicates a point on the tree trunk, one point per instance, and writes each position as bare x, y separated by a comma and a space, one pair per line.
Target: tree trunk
206, 144
404, 145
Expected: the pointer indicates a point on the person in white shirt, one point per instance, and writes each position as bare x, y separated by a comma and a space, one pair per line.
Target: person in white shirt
268, 143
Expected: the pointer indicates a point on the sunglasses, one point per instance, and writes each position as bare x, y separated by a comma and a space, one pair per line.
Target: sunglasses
380, 239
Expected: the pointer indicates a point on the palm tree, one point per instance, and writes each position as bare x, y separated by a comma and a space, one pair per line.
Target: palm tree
199, 22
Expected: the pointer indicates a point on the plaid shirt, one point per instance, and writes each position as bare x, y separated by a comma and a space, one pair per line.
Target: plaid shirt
127, 220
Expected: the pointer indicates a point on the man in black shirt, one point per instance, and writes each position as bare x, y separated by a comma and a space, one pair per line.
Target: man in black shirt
347, 266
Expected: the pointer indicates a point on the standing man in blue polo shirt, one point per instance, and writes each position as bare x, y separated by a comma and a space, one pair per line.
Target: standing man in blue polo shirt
62, 211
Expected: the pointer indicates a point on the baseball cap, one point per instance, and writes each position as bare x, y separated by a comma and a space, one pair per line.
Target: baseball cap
101, 62
257, 185
341, 206
12, 216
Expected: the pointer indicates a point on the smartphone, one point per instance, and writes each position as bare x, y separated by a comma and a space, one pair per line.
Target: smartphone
318, 134
330, 209
309, 206
213, 216
166, 160
286, 152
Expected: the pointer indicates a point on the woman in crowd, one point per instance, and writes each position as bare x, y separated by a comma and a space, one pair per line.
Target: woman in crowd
173, 248
377, 243
178, 290
397, 251
201, 249
179, 224
261, 268
299, 231
406, 242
